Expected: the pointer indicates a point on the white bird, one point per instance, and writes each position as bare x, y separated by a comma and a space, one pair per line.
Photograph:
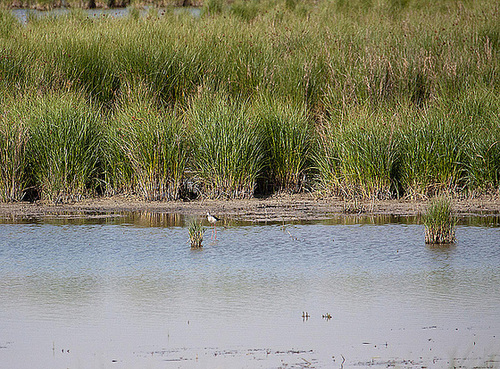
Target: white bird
213, 219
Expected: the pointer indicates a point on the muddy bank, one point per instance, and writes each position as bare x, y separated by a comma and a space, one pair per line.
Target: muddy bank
276, 208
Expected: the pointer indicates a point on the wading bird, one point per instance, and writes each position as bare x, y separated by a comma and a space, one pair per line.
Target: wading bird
213, 219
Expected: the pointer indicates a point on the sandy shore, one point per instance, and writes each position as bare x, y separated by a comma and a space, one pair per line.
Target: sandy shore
276, 208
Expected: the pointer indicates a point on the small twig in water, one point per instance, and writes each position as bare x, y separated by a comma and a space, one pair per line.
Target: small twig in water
308, 362
292, 237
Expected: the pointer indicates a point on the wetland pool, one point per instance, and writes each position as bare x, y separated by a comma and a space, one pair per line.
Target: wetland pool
22, 15
128, 292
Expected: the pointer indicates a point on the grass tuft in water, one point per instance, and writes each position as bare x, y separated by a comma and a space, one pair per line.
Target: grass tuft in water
439, 222
196, 231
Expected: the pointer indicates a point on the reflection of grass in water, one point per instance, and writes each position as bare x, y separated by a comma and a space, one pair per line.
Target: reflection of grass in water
439, 222
154, 219
196, 231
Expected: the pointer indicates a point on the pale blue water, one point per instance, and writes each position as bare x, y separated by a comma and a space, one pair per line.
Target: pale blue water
23, 14
122, 294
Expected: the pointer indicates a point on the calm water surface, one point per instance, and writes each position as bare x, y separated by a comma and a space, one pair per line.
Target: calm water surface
130, 293
24, 14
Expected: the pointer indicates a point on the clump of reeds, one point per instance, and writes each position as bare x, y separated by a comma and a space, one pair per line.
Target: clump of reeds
196, 231
357, 155
212, 7
13, 159
64, 146
434, 153
288, 139
227, 150
246, 10
439, 221
152, 148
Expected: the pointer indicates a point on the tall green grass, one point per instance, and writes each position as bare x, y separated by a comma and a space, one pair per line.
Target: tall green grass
14, 136
288, 141
434, 156
450, 146
227, 148
358, 155
149, 146
482, 171
360, 98
64, 146
353, 53
8, 23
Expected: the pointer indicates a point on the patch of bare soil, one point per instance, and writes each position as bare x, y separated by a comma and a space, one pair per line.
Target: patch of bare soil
299, 207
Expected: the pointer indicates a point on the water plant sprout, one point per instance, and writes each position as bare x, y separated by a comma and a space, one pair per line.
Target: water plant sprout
196, 231
439, 222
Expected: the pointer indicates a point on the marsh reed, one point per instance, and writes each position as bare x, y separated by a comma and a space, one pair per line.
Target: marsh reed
13, 158
439, 221
151, 150
227, 154
196, 231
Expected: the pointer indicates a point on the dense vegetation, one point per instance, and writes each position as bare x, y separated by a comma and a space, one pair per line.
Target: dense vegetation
365, 98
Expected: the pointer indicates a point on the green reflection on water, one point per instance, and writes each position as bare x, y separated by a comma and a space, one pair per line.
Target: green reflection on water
161, 219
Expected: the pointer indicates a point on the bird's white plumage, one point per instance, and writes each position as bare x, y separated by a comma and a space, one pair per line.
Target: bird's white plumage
212, 219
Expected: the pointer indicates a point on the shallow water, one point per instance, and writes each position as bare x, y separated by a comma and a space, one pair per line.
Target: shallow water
23, 14
128, 292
